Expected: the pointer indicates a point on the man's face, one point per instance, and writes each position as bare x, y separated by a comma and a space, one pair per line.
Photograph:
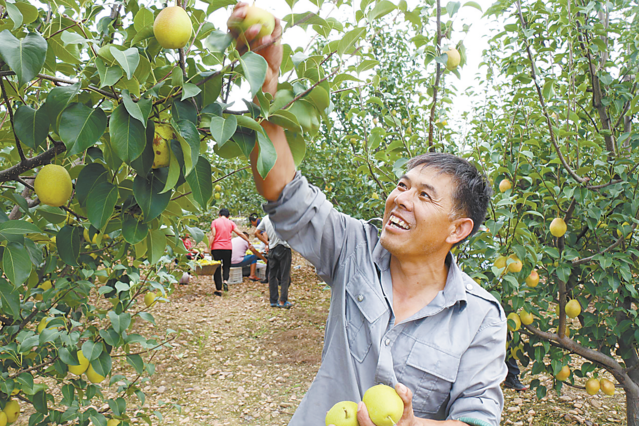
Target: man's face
417, 217
254, 222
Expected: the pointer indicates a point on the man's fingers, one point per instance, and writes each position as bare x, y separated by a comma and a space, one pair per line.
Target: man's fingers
362, 415
407, 398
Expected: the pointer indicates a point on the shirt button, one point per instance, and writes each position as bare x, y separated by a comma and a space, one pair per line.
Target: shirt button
360, 297
469, 286
387, 342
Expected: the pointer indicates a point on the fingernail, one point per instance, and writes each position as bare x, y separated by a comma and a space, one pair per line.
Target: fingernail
401, 388
360, 406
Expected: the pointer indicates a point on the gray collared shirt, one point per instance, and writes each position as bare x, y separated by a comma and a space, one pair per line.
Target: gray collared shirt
450, 353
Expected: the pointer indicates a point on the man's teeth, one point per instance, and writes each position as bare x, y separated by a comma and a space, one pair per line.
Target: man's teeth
398, 222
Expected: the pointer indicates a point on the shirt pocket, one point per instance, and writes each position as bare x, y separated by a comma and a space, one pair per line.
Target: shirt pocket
363, 308
430, 374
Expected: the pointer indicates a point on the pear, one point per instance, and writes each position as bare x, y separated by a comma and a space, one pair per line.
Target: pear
384, 405
343, 413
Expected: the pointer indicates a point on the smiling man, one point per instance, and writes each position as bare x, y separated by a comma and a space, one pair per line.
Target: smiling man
402, 312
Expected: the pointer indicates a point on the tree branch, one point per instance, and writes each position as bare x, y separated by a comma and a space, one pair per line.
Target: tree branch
14, 172
13, 126
431, 129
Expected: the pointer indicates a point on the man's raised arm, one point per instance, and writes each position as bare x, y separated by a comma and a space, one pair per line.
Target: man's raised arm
284, 169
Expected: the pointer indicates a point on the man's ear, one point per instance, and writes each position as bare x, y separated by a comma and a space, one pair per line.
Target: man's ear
463, 227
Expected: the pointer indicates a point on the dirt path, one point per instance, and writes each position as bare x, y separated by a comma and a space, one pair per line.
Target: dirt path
238, 361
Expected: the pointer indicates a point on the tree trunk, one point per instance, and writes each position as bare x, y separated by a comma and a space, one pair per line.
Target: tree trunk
632, 406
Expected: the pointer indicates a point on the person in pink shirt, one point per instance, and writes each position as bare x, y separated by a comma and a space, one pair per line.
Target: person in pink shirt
222, 229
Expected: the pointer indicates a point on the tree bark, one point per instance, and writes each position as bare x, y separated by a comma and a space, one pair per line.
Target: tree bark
632, 407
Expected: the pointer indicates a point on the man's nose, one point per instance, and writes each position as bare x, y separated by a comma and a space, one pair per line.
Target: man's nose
405, 199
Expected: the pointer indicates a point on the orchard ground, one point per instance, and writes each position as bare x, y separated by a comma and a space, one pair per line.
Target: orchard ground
237, 361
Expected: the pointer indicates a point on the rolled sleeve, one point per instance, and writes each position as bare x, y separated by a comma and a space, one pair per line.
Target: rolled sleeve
305, 219
476, 396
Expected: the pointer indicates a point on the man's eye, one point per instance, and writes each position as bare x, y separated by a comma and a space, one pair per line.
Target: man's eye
401, 185
425, 194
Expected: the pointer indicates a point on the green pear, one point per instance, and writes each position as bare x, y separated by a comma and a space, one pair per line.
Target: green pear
384, 405
343, 413
254, 16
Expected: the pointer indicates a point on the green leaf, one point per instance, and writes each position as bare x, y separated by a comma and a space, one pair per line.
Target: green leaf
200, 182
156, 243
91, 350
249, 123
136, 362
254, 69
120, 322
31, 126
189, 90
297, 144
268, 155
148, 196
134, 230
140, 110
285, 119
108, 75
15, 15
90, 176
68, 241
29, 12
144, 162
128, 60
222, 129
184, 110
142, 19
473, 4
101, 203
17, 227
102, 365
174, 172
58, 99
81, 127
452, 7
40, 399
128, 137
218, 41
25, 57
16, 263
349, 40
143, 34
189, 138
10, 298
382, 8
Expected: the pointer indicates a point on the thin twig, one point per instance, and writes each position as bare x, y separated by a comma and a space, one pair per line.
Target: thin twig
13, 125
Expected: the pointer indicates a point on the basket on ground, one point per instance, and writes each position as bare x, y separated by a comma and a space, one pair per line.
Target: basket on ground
235, 276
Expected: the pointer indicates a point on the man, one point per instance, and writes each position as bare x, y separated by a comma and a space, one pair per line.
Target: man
254, 219
402, 312
279, 261
239, 258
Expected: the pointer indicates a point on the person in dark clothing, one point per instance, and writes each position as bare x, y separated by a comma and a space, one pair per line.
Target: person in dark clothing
279, 261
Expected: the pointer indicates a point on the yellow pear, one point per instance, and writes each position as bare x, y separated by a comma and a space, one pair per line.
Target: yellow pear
622, 228
514, 318
533, 279
172, 28
592, 386
218, 187
515, 265
500, 263
563, 374
161, 156
505, 185
217, 196
384, 405
44, 286
113, 422
84, 364
53, 185
526, 318
573, 308
12, 410
607, 387
149, 299
3, 419
93, 376
343, 413
454, 58
558, 227
375, 196
254, 16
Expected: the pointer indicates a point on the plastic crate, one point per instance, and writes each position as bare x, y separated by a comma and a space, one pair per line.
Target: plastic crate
235, 276
260, 270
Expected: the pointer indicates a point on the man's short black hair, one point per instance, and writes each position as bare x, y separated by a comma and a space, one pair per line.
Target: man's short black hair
225, 213
473, 192
252, 217
245, 233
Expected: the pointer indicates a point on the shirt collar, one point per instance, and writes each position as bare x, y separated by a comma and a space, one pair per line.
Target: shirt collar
454, 291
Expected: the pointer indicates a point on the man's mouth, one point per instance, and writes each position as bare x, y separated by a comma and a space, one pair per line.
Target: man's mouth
396, 222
